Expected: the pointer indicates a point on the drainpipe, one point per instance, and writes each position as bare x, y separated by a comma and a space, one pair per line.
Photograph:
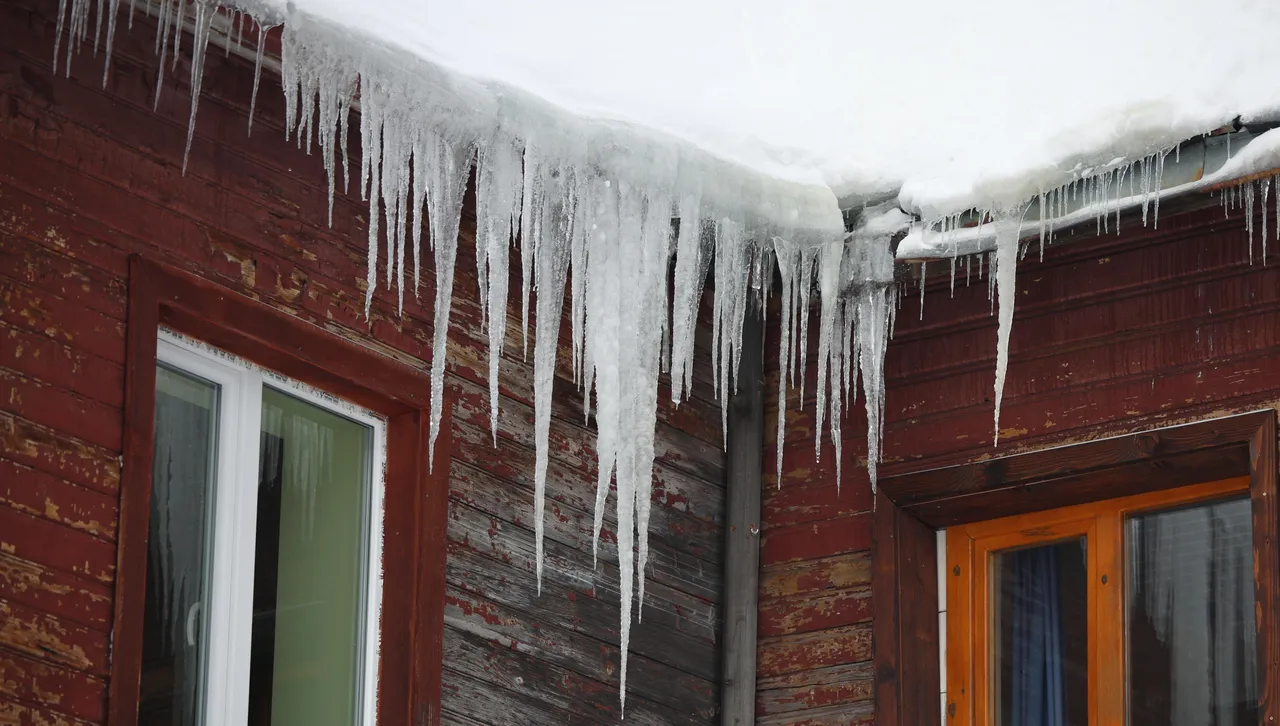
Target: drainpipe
743, 481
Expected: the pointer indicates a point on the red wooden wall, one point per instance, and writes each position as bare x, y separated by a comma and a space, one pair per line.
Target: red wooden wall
90, 175
1112, 334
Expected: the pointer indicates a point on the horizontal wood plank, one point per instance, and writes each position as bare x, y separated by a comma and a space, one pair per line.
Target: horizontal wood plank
812, 576
34, 492
44, 637
51, 687
72, 599
837, 646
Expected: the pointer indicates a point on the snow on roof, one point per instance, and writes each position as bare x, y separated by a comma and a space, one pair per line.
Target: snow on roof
957, 104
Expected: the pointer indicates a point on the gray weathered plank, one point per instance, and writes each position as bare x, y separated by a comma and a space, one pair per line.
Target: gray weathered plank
742, 532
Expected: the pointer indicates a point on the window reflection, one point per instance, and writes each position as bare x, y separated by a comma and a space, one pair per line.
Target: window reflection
1192, 645
174, 639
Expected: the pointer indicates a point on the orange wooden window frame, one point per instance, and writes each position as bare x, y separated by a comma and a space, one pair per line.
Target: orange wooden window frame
970, 548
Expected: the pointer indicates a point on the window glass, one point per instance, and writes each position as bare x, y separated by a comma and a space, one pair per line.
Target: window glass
174, 638
310, 565
1041, 632
1192, 645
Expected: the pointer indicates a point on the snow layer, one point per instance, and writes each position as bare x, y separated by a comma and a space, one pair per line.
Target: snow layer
958, 104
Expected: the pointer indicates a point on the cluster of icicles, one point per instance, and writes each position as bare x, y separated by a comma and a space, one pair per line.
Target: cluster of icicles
1105, 194
602, 210
1102, 196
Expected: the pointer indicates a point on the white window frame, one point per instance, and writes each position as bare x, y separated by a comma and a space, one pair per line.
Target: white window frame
229, 622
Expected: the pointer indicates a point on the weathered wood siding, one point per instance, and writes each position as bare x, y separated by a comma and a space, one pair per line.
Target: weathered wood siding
90, 175
1112, 334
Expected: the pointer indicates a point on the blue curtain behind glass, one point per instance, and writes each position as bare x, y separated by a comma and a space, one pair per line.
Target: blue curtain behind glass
1037, 681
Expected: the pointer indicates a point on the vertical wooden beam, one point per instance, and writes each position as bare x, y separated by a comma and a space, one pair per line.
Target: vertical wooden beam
135, 496
744, 478
885, 609
432, 557
904, 603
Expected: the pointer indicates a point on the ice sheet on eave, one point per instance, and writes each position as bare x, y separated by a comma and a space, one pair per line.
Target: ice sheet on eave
955, 105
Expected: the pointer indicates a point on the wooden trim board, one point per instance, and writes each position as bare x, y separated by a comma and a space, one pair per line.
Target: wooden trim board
415, 519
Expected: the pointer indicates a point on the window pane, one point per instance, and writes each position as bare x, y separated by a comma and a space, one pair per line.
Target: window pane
174, 638
1192, 650
310, 565
1041, 633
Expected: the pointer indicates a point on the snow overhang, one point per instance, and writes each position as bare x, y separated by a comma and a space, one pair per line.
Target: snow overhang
1233, 156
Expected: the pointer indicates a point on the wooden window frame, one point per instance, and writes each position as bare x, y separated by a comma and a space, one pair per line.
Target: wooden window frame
969, 607
911, 507
416, 498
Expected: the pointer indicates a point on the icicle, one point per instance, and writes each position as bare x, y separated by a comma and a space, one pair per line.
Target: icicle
447, 168
1158, 184
397, 145
627, 253
1099, 204
788, 259
1248, 216
838, 358
656, 248
807, 257
924, 270
177, 32
578, 275
530, 223
1266, 187
1118, 207
604, 291
371, 133
57, 35
848, 353
553, 266
692, 261
205, 13
829, 262
162, 47
112, 9
731, 280
238, 23
874, 325
1044, 215
953, 275
991, 278
257, 76
498, 195
1005, 277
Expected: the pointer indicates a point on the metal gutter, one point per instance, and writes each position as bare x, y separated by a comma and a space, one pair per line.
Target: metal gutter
1191, 168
